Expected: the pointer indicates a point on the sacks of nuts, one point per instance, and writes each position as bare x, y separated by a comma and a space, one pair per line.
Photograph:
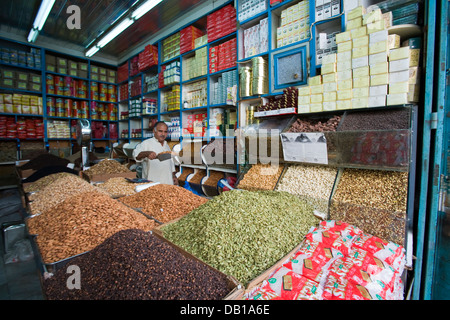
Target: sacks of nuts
80, 223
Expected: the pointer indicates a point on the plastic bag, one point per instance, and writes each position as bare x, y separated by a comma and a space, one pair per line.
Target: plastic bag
20, 251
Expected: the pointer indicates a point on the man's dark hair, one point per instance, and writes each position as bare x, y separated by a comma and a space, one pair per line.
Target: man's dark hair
158, 123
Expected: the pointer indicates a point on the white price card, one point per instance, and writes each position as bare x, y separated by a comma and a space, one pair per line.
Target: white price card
310, 147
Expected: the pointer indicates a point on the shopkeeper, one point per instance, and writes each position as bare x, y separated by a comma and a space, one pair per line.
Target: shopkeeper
152, 168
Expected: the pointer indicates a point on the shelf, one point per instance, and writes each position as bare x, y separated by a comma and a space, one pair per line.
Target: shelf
406, 30
65, 97
20, 66
13, 90
222, 71
21, 115
212, 168
278, 112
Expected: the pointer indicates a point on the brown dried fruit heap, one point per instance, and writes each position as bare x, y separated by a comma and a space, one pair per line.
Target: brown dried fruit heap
136, 265
164, 202
80, 223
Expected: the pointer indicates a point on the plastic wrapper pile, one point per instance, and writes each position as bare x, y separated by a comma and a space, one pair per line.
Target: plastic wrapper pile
336, 261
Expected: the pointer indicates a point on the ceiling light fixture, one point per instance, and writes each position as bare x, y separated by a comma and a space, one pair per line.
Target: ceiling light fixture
135, 15
41, 17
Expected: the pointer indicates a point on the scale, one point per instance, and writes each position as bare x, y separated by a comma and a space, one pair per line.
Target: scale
84, 141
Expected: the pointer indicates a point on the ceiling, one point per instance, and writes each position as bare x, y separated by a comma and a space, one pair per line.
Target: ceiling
17, 16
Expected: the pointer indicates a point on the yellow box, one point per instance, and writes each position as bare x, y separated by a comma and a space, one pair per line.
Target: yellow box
382, 67
345, 75
399, 53
304, 90
344, 46
304, 100
361, 72
303, 109
316, 89
361, 82
329, 96
345, 84
375, 26
379, 79
393, 41
360, 52
344, 104
329, 58
328, 68
396, 99
344, 56
361, 41
377, 101
354, 23
378, 58
414, 57
344, 94
362, 102
399, 87
414, 75
377, 47
329, 105
343, 37
343, 66
414, 93
329, 86
372, 16
359, 62
356, 12
316, 98
359, 32
329, 77
316, 107
360, 92
313, 81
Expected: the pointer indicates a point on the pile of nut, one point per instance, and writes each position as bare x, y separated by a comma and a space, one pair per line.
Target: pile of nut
373, 200
80, 223
119, 187
376, 120
106, 166
137, 265
164, 202
58, 191
198, 176
184, 174
315, 125
44, 181
313, 184
260, 177
243, 233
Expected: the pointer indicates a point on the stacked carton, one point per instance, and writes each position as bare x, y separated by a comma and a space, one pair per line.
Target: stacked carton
256, 39
196, 65
222, 56
294, 24
370, 69
188, 36
148, 58
221, 23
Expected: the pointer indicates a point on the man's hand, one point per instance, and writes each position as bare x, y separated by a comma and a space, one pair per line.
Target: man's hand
146, 154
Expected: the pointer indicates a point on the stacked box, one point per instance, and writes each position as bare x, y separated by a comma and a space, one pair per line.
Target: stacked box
122, 72
135, 87
219, 89
250, 8
188, 36
135, 108
195, 94
171, 47
195, 124
256, 39
223, 56
123, 92
221, 23
171, 99
195, 66
21, 58
171, 73
148, 58
20, 104
326, 9
151, 82
294, 24
201, 41
134, 66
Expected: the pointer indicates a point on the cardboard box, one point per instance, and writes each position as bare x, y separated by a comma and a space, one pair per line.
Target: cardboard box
377, 101
61, 62
344, 104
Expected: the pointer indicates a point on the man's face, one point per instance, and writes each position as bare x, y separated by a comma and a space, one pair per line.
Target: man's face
160, 132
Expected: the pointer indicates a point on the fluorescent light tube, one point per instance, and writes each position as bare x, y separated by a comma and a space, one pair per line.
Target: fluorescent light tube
92, 51
41, 17
44, 11
32, 35
143, 9
115, 32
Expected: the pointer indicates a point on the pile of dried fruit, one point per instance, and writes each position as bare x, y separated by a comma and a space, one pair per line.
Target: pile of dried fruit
136, 265
58, 191
261, 177
373, 200
82, 222
106, 166
164, 202
119, 187
44, 181
242, 233
315, 125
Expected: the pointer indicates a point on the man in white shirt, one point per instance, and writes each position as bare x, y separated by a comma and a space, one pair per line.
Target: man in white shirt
152, 168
